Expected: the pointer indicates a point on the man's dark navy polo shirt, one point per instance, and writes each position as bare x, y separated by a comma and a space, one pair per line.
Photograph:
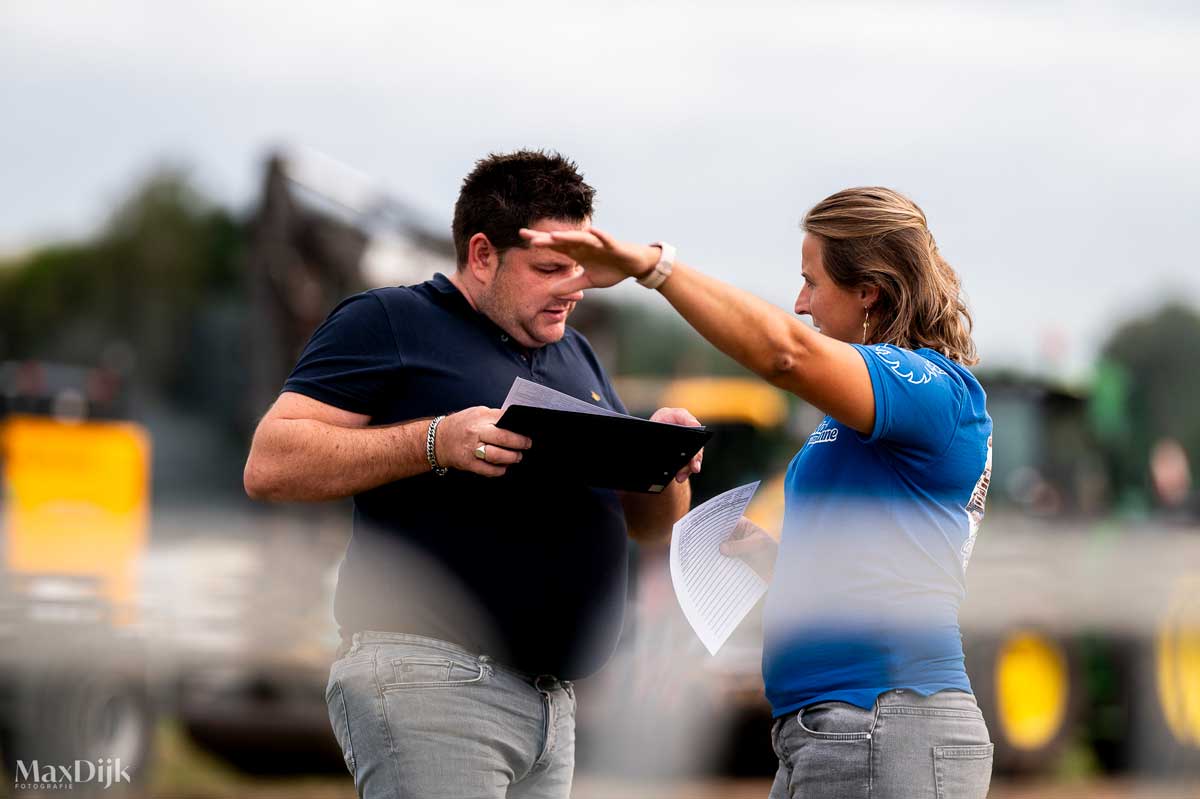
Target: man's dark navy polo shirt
532, 573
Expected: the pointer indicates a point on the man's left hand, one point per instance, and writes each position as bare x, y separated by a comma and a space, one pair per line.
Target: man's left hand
684, 417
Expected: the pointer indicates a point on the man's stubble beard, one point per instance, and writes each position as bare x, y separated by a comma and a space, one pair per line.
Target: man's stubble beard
494, 303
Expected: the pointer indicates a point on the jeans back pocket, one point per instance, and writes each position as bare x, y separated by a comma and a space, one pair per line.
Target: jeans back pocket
963, 772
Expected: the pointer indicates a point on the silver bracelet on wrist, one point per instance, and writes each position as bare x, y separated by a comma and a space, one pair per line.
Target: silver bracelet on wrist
430, 454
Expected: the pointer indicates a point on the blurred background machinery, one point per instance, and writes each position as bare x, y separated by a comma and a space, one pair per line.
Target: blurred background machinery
75, 670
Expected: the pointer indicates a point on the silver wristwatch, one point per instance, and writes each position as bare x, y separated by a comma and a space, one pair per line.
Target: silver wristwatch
662, 269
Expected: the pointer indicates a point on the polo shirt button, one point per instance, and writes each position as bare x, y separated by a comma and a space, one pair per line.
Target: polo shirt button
503, 337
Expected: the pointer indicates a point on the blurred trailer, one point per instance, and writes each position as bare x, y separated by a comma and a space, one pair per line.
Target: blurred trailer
74, 522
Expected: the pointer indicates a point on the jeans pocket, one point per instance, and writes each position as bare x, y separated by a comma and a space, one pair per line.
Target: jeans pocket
829, 752
836, 721
962, 772
339, 719
434, 671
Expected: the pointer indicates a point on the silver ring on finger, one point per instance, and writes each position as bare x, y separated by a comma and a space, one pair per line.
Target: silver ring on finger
481, 452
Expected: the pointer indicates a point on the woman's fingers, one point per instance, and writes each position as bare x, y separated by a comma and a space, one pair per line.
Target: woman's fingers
741, 547
592, 237
746, 538
570, 285
755, 548
534, 236
745, 528
565, 241
605, 239
583, 238
605, 264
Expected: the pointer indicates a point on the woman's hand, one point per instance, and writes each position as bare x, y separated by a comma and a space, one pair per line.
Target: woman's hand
754, 545
605, 260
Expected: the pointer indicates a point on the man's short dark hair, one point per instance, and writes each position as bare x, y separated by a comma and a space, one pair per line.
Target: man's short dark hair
506, 192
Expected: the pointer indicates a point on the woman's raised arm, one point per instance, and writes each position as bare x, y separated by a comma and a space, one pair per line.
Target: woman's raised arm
765, 339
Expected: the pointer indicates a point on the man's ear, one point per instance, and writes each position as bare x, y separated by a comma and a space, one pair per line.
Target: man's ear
869, 295
482, 258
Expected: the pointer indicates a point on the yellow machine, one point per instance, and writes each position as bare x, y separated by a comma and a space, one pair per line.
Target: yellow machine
76, 503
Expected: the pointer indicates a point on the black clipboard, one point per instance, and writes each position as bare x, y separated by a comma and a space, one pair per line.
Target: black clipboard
602, 451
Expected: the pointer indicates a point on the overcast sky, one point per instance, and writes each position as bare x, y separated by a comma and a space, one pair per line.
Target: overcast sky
1053, 148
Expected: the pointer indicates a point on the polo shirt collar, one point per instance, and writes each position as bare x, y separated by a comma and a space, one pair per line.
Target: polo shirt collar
442, 283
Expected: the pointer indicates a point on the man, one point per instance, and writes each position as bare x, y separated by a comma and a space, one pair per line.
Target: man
468, 597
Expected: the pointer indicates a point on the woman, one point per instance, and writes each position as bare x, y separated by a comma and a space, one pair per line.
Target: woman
862, 658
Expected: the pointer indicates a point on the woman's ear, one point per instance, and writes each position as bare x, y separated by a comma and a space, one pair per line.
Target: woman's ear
869, 295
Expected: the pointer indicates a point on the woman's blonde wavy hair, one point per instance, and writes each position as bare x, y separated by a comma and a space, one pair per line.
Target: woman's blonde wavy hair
872, 236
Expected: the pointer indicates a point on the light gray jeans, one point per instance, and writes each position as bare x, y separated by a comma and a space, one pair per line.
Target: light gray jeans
418, 717
906, 747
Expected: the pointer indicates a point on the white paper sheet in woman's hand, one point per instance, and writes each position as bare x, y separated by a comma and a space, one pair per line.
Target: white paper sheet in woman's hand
714, 590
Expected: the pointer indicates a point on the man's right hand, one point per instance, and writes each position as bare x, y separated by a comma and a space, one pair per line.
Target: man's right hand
459, 434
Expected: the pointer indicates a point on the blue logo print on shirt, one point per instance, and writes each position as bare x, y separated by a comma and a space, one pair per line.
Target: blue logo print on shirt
824, 434
932, 370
